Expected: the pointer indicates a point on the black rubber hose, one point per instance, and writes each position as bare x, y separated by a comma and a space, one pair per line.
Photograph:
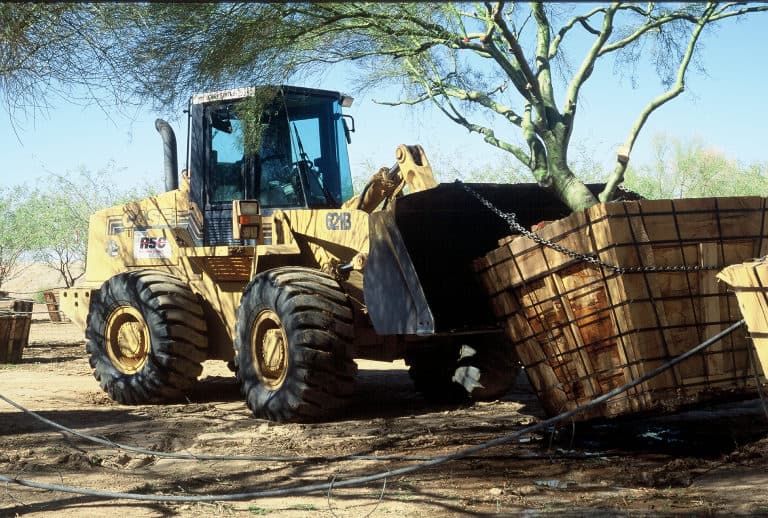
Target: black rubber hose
357, 481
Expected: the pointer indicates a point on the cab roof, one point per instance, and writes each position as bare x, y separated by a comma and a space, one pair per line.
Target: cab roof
248, 91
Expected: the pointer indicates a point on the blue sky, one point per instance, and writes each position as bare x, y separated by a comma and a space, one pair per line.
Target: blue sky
726, 108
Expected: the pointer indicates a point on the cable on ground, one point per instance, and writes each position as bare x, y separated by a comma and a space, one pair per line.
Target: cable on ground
253, 458
356, 481
206, 457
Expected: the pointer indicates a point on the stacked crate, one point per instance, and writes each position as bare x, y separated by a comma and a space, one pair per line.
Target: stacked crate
749, 281
14, 330
582, 329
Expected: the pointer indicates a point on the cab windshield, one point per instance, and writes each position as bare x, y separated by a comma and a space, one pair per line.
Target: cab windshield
300, 162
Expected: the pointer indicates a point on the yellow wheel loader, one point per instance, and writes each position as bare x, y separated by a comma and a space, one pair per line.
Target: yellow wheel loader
261, 256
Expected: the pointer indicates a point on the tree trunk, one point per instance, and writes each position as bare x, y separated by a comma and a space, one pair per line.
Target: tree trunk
566, 186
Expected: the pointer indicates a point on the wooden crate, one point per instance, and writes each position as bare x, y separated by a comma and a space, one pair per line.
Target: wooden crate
14, 335
582, 330
52, 305
749, 281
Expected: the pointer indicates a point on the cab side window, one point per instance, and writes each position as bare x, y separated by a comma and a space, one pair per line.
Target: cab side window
227, 164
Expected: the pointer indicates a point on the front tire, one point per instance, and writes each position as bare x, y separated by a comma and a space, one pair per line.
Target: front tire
146, 337
293, 343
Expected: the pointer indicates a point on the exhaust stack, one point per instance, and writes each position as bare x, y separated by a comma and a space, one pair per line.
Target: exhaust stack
170, 154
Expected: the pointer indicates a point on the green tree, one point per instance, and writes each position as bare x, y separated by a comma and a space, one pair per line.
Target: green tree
583, 164
689, 169
14, 232
61, 208
505, 71
51, 52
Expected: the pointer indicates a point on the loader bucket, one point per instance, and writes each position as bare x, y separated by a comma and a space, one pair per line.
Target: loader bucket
419, 277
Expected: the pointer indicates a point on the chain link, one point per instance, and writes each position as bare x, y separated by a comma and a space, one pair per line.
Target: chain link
511, 219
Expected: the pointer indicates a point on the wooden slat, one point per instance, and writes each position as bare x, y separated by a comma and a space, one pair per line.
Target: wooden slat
52, 305
644, 318
14, 334
583, 365
750, 282
6, 339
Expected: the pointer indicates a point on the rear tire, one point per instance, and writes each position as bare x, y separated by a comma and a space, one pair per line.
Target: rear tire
293, 343
146, 337
434, 369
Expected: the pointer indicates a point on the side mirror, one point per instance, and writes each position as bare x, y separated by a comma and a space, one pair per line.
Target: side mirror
347, 129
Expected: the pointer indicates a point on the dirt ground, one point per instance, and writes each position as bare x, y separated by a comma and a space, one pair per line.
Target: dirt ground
710, 461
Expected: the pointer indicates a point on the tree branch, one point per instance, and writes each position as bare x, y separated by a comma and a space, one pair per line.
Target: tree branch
439, 86
657, 22
517, 52
490, 137
555, 45
483, 99
626, 149
538, 159
543, 73
588, 64
588, 27
405, 102
455, 115
740, 12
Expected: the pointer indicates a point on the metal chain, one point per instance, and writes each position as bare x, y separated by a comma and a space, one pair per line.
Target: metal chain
511, 219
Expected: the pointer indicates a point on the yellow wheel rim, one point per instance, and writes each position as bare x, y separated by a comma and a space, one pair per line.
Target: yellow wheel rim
269, 350
127, 340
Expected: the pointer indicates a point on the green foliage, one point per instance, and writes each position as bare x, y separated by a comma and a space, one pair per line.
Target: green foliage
254, 115
583, 164
497, 69
15, 228
487, 67
503, 171
60, 209
51, 50
39, 296
690, 169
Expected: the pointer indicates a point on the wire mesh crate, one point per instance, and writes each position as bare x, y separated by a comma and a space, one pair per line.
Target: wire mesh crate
582, 329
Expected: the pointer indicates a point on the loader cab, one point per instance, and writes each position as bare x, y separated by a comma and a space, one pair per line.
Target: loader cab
292, 154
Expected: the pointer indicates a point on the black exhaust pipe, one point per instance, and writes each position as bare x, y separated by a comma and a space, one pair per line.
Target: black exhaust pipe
170, 154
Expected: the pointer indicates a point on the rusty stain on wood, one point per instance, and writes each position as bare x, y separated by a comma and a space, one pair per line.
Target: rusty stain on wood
582, 330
